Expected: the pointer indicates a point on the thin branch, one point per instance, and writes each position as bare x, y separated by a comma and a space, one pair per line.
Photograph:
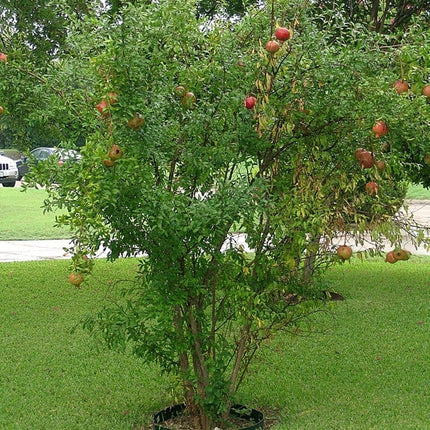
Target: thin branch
43, 81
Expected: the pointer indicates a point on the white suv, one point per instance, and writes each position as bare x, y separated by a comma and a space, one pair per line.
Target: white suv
8, 171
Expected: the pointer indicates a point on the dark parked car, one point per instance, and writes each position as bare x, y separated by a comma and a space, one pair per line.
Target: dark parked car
43, 153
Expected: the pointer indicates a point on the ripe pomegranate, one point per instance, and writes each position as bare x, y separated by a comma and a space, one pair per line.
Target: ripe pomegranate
101, 107
401, 86
366, 160
272, 46
250, 102
380, 129
380, 165
426, 91
358, 153
76, 278
282, 34
3, 57
115, 152
1, 110
372, 188
344, 252
390, 257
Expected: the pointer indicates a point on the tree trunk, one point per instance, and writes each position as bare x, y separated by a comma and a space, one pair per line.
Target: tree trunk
374, 14
200, 370
311, 256
200, 419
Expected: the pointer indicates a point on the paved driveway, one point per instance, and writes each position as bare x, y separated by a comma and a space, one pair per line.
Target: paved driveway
27, 250
420, 210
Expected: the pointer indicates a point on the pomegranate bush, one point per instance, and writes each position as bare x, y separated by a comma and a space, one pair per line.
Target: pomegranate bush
175, 163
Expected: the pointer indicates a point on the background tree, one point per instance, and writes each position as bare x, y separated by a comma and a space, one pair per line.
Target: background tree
33, 34
382, 16
39, 27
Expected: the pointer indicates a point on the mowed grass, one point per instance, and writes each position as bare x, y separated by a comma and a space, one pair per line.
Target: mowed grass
53, 379
365, 365
22, 216
370, 369
418, 192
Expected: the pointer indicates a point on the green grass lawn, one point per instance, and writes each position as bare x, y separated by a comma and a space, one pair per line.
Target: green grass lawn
365, 366
22, 216
370, 370
52, 379
418, 192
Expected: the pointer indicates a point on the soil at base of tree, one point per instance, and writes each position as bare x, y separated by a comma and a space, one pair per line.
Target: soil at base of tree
184, 422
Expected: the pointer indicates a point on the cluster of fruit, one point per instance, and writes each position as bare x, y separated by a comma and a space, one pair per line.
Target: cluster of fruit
282, 34
344, 252
188, 99
103, 107
397, 255
367, 160
401, 86
115, 152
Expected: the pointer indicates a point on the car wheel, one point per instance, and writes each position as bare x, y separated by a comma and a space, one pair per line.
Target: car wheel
9, 184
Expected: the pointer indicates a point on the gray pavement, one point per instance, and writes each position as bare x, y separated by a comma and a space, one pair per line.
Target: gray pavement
420, 209
25, 250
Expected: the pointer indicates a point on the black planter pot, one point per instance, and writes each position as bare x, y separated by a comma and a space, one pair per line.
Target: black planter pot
255, 418
167, 414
